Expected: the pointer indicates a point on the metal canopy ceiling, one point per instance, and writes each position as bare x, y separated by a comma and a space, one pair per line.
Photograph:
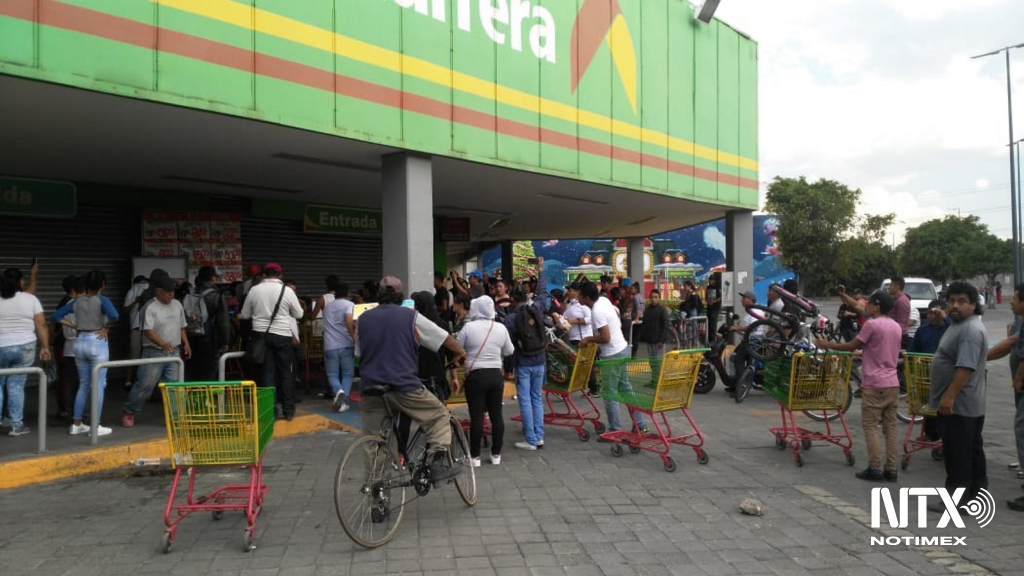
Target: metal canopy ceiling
56, 132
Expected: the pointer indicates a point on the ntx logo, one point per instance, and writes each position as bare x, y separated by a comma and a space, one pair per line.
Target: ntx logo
982, 508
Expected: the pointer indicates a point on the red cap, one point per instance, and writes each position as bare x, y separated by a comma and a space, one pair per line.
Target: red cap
254, 269
272, 267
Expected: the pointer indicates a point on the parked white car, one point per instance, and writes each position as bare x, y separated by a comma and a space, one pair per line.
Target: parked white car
921, 291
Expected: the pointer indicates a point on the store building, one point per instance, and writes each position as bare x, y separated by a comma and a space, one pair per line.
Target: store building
361, 137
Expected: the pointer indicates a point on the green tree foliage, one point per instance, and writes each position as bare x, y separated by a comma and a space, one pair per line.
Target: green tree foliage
821, 237
953, 248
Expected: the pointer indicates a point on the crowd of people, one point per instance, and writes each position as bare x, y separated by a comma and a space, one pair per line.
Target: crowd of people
881, 325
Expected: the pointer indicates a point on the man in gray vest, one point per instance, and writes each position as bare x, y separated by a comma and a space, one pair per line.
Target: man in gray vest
389, 337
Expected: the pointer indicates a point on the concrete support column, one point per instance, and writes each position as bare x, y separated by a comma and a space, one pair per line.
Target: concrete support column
739, 254
635, 257
407, 201
506, 263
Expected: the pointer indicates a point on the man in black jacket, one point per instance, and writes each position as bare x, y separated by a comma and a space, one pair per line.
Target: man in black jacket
654, 327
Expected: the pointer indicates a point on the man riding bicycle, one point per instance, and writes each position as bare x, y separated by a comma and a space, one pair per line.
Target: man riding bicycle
389, 337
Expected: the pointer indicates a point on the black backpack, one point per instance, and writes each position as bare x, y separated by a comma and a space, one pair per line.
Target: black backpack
530, 338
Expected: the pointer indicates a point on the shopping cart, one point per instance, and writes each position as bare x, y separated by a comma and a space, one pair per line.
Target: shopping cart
654, 386
217, 424
814, 382
460, 398
918, 371
567, 376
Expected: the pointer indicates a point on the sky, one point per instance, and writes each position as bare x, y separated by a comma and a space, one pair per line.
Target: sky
883, 96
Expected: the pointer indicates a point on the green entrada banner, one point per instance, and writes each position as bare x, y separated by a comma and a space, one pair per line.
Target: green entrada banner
324, 219
41, 198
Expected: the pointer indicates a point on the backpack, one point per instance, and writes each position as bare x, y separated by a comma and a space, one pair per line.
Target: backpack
198, 320
530, 338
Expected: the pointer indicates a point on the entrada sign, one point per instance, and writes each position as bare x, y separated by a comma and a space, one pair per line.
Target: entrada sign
41, 198
326, 219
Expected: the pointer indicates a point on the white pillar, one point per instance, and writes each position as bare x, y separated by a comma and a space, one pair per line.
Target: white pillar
739, 253
635, 257
407, 201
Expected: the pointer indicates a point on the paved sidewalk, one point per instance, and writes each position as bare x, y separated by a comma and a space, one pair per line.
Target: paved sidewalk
572, 508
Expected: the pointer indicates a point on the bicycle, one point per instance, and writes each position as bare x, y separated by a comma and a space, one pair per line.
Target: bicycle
371, 481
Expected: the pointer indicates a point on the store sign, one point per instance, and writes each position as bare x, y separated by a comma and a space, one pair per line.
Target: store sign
323, 219
455, 229
203, 238
39, 198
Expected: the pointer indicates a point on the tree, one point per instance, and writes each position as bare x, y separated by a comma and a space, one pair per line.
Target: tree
813, 220
953, 248
863, 263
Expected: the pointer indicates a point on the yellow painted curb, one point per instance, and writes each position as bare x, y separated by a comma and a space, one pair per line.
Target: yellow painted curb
50, 467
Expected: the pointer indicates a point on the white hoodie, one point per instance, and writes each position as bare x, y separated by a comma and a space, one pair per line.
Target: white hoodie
485, 340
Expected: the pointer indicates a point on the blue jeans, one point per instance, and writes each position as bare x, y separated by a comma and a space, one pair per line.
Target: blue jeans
89, 351
148, 376
17, 356
529, 381
619, 378
340, 362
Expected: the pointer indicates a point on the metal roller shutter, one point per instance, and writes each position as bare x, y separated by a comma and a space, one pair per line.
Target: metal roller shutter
308, 258
103, 238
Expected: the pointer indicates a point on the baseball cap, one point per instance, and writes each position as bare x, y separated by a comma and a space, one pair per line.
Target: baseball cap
163, 283
272, 267
476, 274
626, 282
749, 294
391, 282
254, 269
881, 299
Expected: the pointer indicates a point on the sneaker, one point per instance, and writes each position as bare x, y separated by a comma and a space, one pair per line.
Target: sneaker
79, 429
339, 401
441, 469
645, 430
1020, 474
127, 420
890, 476
18, 430
1016, 505
870, 475
5, 423
1013, 465
526, 446
343, 408
103, 430
496, 460
540, 445
475, 461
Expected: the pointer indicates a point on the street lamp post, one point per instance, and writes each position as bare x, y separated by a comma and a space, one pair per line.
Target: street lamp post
1013, 168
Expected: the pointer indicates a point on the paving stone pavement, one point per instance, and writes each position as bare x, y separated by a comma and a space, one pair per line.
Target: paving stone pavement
570, 509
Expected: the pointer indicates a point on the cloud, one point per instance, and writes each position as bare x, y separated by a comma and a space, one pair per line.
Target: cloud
714, 239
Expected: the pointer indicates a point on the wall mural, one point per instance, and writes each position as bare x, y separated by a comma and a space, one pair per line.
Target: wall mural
669, 258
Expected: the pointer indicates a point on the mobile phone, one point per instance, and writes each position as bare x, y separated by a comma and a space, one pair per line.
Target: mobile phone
34, 259
532, 261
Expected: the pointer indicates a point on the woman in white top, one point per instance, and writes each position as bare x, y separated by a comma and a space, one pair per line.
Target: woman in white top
21, 326
486, 342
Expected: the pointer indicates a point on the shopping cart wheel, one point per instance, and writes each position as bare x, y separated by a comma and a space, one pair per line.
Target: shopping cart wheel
616, 449
584, 435
905, 462
165, 542
217, 515
702, 457
850, 460
634, 449
799, 461
670, 464
248, 541
805, 444
599, 427
937, 455
780, 442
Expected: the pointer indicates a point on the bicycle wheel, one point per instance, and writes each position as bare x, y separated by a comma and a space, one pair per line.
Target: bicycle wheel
744, 383
768, 346
459, 454
369, 491
816, 415
705, 378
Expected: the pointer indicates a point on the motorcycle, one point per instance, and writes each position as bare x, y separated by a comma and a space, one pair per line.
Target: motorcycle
715, 359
